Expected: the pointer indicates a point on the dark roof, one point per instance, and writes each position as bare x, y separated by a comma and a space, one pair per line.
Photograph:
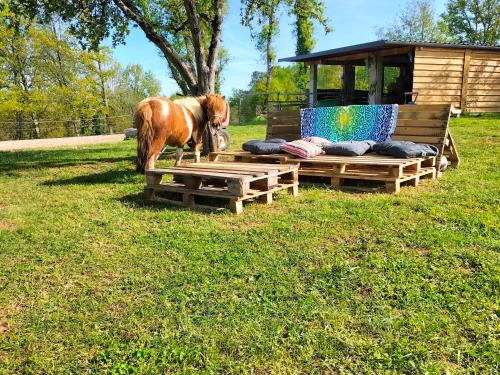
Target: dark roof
379, 44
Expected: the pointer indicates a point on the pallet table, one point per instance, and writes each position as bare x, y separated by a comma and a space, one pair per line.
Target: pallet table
236, 182
389, 171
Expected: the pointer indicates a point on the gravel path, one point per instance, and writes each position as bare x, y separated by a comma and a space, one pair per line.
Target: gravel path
58, 142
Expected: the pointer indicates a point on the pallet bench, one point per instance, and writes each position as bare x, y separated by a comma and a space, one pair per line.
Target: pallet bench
235, 182
416, 123
391, 172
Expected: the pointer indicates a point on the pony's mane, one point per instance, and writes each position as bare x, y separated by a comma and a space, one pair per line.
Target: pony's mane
194, 105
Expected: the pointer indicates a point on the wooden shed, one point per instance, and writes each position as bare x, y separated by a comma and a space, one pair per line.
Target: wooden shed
466, 76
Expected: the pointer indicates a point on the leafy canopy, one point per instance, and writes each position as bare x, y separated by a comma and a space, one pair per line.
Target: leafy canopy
473, 21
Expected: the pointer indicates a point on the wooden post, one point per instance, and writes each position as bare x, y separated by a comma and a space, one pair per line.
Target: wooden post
236, 206
348, 83
465, 84
313, 84
375, 66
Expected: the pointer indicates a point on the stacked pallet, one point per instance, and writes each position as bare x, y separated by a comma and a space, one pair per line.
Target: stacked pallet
388, 171
235, 182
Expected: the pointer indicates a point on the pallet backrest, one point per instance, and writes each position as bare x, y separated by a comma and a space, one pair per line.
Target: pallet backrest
283, 124
426, 123
417, 123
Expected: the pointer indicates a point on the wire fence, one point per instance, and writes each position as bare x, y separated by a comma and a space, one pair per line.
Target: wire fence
54, 128
245, 108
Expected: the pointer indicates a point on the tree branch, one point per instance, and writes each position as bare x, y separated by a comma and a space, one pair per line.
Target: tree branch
213, 49
131, 12
196, 34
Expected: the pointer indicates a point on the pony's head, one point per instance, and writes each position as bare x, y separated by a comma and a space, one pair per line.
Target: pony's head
217, 109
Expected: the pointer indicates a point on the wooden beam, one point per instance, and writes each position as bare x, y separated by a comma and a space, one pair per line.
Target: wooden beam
313, 85
465, 81
348, 83
375, 67
341, 60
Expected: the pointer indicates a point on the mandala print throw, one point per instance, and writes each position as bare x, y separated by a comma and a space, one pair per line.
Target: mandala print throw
350, 123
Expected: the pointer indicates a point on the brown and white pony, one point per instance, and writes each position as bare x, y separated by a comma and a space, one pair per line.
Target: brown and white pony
160, 121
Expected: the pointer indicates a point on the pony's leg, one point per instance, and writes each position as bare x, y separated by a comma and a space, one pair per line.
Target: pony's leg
154, 154
197, 152
150, 164
178, 156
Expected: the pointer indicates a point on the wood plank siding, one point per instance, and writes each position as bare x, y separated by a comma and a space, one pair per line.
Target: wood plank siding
466, 78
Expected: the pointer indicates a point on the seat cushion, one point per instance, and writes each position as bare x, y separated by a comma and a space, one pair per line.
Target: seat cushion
302, 149
404, 149
275, 140
351, 148
321, 142
271, 146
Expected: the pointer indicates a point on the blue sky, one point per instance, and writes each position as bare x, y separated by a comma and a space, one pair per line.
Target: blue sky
353, 21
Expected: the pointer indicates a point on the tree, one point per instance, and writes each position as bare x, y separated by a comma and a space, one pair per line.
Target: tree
415, 22
473, 21
262, 15
187, 32
305, 12
51, 87
133, 84
257, 94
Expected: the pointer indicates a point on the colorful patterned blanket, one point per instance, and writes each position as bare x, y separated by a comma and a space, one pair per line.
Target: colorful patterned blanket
352, 123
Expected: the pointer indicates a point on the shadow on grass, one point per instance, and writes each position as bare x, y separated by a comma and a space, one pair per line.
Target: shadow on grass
108, 177
139, 201
32, 159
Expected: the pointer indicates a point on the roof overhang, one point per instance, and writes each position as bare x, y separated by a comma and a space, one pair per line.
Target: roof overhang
376, 46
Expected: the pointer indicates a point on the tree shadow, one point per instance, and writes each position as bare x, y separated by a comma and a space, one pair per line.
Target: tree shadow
34, 159
107, 177
139, 201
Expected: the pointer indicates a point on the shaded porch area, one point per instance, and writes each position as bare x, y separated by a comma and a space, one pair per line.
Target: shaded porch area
372, 77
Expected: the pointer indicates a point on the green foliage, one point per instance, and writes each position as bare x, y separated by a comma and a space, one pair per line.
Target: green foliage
361, 78
415, 22
131, 85
473, 21
96, 280
329, 77
306, 12
186, 32
391, 75
263, 16
48, 78
285, 81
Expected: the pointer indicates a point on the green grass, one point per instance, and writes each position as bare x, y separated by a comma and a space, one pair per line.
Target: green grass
95, 280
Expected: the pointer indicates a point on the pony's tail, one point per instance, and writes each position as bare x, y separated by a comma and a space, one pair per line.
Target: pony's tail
144, 127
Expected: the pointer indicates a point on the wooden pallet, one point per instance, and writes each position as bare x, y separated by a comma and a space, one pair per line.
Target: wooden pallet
235, 182
389, 171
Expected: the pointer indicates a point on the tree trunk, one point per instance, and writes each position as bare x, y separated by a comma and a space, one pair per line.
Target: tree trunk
104, 97
19, 125
202, 80
269, 52
76, 130
269, 56
36, 127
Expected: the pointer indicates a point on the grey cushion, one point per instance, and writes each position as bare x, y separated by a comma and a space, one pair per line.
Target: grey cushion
404, 149
271, 146
275, 140
350, 148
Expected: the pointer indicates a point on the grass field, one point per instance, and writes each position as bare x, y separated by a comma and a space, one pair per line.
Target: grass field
93, 279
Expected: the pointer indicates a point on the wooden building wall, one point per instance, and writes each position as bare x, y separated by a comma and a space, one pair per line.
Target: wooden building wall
468, 79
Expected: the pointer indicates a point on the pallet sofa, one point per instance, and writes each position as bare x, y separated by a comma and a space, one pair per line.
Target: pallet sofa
416, 123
